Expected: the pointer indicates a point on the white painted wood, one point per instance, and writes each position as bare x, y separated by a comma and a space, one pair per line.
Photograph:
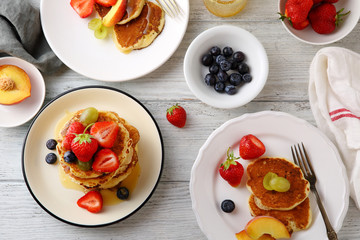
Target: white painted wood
168, 214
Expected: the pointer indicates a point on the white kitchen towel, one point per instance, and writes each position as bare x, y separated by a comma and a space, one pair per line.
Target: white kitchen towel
334, 94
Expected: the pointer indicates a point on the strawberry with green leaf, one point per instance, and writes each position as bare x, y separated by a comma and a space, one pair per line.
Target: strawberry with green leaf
84, 146
231, 170
176, 115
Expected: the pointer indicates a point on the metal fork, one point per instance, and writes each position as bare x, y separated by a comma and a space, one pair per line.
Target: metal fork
302, 160
170, 7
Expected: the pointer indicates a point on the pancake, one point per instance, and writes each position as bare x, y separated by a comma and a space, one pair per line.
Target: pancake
124, 147
133, 10
273, 200
296, 219
141, 31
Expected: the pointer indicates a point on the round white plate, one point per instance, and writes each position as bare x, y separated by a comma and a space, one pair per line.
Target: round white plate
20, 113
240, 40
278, 131
74, 43
43, 179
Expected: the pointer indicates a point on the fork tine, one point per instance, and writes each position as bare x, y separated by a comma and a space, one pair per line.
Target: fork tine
300, 160
165, 6
294, 156
176, 7
307, 160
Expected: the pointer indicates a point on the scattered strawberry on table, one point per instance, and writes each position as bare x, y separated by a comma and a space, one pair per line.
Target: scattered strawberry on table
176, 115
231, 170
251, 147
91, 201
320, 14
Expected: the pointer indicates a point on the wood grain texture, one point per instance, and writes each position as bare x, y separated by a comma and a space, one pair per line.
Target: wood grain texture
168, 214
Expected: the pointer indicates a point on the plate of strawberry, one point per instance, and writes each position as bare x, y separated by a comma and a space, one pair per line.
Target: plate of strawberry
319, 22
218, 189
43, 171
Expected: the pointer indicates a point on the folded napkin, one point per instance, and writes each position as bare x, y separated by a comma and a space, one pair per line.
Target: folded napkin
334, 94
21, 35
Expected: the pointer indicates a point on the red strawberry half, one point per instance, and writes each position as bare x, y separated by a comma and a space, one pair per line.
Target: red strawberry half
251, 147
91, 201
105, 161
105, 133
84, 146
106, 3
231, 170
82, 7
176, 115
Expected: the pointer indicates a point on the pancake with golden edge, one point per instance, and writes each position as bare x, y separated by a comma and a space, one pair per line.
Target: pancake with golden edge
124, 147
273, 200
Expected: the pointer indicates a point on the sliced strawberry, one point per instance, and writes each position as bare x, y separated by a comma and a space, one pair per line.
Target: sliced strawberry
105, 133
251, 147
105, 161
82, 7
106, 3
91, 201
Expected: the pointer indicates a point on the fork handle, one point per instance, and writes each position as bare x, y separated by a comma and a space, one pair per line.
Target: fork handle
329, 229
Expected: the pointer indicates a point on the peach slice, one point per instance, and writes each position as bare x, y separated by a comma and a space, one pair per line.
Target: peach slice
243, 236
15, 85
261, 225
115, 14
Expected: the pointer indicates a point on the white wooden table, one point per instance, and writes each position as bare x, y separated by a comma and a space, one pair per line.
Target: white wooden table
168, 214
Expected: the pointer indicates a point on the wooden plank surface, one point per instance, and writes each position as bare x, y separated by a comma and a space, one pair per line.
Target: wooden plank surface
168, 214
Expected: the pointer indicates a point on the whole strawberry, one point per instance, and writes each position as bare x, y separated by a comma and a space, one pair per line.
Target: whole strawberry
251, 147
296, 11
84, 146
176, 115
231, 170
74, 128
324, 18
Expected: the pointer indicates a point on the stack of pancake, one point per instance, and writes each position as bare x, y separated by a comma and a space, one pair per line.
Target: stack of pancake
124, 147
291, 207
142, 23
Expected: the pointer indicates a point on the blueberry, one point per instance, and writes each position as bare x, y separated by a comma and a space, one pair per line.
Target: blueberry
230, 89
227, 206
214, 69
215, 51
235, 79
219, 87
122, 193
243, 68
51, 158
210, 79
239, 56
222, 76
247, 77
219, 58
234, 64
207, 59
228, 51
70, 157
51, 144
225, 65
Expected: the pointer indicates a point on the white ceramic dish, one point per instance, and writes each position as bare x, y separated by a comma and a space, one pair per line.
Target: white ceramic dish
240, 40
20, 113
71, 40
278, 131
308, 35
43, 179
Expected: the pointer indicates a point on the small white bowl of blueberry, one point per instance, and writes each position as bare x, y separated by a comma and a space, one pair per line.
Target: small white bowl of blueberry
226, 67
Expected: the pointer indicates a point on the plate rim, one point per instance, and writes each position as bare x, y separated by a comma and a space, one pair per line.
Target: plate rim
258, 114
107, 223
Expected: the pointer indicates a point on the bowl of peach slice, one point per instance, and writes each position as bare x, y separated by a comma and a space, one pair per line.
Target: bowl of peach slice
319, 22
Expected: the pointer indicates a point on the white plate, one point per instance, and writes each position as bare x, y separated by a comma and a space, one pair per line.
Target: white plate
240, 40
20, 113
278, 131
308, 35
43, 179
74, 43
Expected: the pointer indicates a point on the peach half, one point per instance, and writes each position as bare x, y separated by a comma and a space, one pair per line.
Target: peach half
15, 85
261, 225
115, 14
243, 236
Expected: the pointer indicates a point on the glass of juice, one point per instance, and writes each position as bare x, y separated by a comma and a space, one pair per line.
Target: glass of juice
225, 8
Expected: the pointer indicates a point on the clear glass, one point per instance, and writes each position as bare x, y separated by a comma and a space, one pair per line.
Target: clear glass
225, 8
